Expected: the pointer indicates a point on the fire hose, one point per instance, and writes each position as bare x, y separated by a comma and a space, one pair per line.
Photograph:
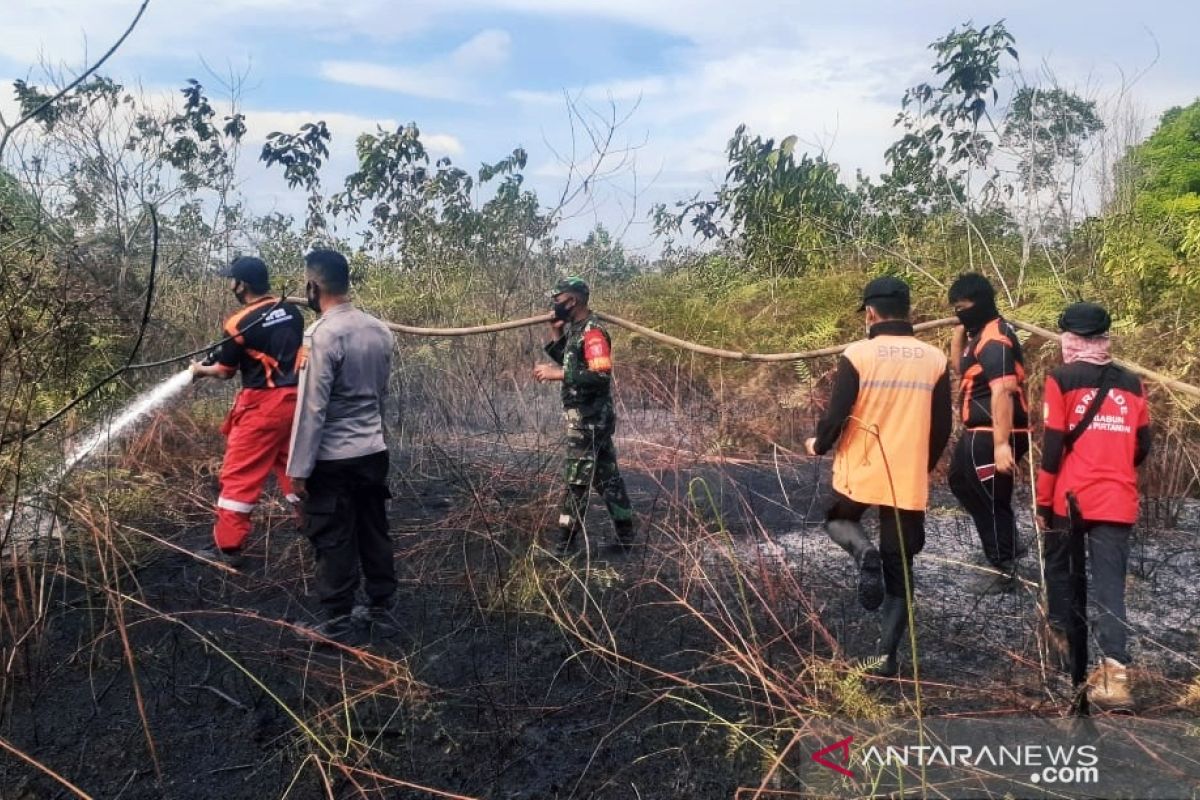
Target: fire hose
736, 355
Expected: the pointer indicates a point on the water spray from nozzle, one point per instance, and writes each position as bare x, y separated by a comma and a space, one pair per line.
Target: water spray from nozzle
33, 513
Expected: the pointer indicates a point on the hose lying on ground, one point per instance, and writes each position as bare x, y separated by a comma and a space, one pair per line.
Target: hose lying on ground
735, 355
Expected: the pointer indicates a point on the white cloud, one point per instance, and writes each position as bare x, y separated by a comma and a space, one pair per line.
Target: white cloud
66, 30
70, 30
840, 99
486, 49
442, 144
403, 80
449, 77
833, 99
697, 20
832, 74
620, 91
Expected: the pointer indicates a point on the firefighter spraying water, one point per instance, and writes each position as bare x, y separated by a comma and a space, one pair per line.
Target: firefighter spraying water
262, 343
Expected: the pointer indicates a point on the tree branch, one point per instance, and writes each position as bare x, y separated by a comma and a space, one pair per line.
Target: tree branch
8, 132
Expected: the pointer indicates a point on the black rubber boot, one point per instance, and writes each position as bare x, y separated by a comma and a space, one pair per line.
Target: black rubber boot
564, 545
343, 629
230, 558
623, 540
849, 535
377, 618
893, 624
999, 579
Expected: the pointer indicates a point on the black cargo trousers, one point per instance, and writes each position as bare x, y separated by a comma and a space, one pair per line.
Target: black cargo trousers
345, 518
987, 494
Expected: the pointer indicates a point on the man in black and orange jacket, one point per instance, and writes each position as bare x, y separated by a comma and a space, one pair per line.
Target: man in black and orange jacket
1088, 489
262, 341
995, 415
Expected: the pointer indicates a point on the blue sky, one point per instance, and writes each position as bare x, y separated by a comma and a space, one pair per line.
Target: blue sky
480, 77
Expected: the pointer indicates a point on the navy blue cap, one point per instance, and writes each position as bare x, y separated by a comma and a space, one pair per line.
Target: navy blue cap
883, 288
250, 271
1085, 319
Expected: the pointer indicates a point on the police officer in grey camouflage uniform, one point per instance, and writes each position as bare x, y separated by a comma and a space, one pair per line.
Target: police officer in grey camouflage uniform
580, 344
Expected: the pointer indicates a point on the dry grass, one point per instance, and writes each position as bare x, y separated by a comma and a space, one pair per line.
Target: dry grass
710, 643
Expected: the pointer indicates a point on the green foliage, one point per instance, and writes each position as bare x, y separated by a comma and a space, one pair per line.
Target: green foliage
155, 158
599, 259
301, 155
942, 140
1167, 165
1048, 127
741, 311
789, 213
1151, 254
416, 212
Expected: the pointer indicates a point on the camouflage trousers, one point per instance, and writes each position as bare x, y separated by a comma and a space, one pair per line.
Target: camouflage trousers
592, 462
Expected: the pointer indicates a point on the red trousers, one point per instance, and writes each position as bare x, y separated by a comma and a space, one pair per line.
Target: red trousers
258, 431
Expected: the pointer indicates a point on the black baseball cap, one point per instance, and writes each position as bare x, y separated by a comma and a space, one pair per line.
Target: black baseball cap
1085, 319
250, 271
573, 285
886, 287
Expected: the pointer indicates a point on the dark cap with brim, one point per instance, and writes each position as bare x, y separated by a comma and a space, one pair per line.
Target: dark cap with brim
885, 288
572, 285
250, 271
1085, 319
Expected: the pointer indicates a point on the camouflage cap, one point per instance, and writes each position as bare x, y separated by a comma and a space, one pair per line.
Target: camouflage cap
574, 285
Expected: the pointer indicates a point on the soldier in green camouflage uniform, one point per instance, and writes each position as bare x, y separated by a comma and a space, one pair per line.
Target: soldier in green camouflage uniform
579, 343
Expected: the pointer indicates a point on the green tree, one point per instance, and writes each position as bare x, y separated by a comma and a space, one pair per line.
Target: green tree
599, 257
301, 155
1047, 129
789, 214
944, 141
1152, 250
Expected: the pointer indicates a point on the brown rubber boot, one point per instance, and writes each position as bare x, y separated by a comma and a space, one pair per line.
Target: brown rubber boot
1108, 687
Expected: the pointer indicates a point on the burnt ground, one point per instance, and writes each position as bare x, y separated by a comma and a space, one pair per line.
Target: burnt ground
673, 672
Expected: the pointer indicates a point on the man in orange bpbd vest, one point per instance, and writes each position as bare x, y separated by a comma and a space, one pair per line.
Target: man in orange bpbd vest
890, 419
261, 342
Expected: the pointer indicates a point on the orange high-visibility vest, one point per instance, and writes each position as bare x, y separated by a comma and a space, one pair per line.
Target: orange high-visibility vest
883, 454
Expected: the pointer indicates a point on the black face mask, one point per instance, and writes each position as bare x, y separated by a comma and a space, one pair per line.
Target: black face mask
239, 291
978, 315
562, 311
312, 293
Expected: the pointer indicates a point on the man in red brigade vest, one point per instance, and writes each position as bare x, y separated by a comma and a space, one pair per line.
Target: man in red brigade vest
260, 342
890, 419
1097, 433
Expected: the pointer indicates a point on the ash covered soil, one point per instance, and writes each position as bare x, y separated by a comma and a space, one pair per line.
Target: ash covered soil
510, 674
